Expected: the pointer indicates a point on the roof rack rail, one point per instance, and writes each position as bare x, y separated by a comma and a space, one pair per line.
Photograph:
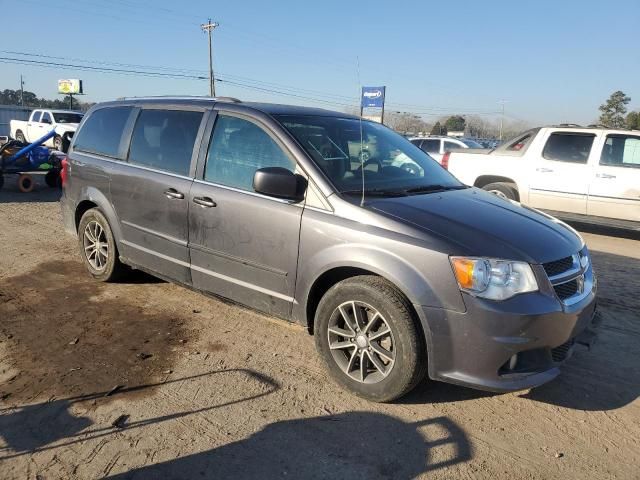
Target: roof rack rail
227, 99
570, 125
184, 97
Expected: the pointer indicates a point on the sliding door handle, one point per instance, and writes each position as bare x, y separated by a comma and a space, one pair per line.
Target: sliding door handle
204, 202
544, 170
173, 193
605, 175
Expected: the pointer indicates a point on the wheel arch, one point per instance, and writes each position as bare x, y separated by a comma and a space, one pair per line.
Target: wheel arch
484, 180
94, 198
337, 273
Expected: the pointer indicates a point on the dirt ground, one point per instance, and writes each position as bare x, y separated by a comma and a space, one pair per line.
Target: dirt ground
146, 379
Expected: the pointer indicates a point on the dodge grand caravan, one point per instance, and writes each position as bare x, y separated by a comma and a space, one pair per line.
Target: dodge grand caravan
397, 268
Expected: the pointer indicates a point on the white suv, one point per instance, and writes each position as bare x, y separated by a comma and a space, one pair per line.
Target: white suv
437, 146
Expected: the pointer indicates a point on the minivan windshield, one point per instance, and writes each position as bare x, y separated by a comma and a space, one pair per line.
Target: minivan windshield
349, 150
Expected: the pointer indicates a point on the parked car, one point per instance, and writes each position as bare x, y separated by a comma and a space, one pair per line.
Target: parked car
583, 174
436, 146
395, 266
41, 122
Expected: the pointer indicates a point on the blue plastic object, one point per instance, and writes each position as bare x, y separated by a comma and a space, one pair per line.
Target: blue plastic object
37, 155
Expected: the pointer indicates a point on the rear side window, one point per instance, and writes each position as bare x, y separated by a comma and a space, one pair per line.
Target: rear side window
431, 146
238, 148
164, 139
519, 143
46, 118
448, 146
621, 151
416, 142
568, 147
102, 131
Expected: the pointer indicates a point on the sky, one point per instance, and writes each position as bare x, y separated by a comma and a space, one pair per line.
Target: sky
549, 61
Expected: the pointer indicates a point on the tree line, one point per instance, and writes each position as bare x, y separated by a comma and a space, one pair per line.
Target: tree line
30, 99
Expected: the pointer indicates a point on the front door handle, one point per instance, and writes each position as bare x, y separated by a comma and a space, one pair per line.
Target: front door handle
204, 202
605, 175
544, 170
173, 193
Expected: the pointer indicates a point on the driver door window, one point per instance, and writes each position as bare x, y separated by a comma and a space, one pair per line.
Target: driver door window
238, 148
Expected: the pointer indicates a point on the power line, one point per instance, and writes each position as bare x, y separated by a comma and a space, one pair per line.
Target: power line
24, 61
239, 81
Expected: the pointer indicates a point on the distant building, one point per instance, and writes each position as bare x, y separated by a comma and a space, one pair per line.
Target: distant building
456, 134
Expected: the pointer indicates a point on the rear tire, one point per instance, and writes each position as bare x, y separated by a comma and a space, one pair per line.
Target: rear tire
503, 190
98, 247
349, 332
25, 183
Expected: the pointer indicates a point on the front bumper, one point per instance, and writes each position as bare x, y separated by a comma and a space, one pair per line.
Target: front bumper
476, 348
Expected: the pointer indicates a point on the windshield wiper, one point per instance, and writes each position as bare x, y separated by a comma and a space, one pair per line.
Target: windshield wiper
434, 188
375, 192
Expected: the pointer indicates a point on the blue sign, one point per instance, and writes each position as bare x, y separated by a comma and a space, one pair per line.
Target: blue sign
372, 97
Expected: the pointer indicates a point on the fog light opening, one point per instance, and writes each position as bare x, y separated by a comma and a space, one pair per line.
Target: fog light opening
513, 361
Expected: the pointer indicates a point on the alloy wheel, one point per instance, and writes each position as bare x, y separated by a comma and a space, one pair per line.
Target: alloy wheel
96, 245
361, 342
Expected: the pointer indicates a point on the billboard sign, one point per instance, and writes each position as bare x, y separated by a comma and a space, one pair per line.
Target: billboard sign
71, 86
372, 97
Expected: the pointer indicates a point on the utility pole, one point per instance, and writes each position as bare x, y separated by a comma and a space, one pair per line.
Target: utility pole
502, 102
209, 27
21, 92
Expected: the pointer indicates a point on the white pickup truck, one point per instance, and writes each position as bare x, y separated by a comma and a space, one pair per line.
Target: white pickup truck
41, 122
576, 173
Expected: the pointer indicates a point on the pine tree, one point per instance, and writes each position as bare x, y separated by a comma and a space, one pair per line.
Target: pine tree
614, 109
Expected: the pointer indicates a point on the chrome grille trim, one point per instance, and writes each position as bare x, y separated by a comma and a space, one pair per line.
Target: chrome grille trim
578, 278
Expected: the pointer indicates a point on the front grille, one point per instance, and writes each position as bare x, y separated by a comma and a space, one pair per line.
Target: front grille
566, 290
558, 266
560, 353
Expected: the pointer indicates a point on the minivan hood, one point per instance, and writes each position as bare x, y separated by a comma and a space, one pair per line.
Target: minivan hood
481, 224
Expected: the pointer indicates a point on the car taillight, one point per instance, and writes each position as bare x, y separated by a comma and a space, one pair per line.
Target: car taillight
64, 172
445, 160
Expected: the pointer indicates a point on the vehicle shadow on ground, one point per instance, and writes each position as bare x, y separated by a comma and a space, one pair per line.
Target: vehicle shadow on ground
608, 376
349, 445
50, 425
9, 193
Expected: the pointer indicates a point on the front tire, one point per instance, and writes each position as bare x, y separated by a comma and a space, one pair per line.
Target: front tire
52, 179
20, 136
98, 247
368, 338
503, 190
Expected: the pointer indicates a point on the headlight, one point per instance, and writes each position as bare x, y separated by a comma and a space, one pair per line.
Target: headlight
493, 279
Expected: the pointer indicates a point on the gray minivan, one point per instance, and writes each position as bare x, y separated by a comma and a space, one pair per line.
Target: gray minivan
396, 267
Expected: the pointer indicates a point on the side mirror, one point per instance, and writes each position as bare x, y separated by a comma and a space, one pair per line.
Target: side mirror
279, 182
